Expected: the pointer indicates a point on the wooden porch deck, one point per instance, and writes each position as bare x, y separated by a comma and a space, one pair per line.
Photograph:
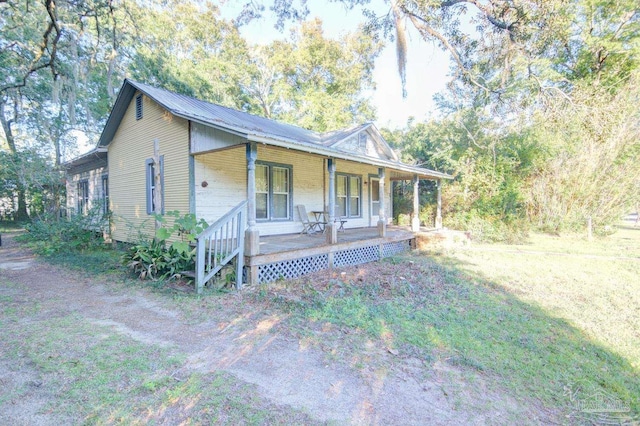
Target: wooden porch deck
294, 255
282, 243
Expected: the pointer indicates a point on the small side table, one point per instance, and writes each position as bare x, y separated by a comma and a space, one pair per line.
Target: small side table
321, 218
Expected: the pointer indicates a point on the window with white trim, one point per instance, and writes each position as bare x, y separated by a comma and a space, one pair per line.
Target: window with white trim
348, 195
274, 187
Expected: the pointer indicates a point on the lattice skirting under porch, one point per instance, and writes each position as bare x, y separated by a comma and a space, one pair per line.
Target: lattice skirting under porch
396, 247
354, 256
292, 268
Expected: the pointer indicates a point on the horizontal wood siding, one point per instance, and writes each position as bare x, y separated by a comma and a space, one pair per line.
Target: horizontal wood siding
131, 146
220, 182
225, 174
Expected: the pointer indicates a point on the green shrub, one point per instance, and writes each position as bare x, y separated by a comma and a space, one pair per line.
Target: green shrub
50, 235
156, 259
153, 259
488, 228
427, 215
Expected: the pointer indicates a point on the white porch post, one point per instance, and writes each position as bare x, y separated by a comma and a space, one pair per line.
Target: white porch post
331, 231
415, 220
382, 216
252, 235
439, 205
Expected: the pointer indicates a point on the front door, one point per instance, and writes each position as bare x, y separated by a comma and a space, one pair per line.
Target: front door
374, 201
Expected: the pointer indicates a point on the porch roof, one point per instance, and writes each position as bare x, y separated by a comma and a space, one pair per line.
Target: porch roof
91, 160
402, 171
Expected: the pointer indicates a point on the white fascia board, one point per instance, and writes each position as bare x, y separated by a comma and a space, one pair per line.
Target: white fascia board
344, 156
319, 150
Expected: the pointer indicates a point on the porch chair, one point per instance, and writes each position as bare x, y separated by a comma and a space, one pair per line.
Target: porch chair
337, 218
309, 226
341, 219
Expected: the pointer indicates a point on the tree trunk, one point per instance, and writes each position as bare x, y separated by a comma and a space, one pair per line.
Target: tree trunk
6, 127
21, 213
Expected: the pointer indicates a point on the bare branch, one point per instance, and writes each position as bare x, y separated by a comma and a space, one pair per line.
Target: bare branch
484, 9
426, 30
47, 45
624, 22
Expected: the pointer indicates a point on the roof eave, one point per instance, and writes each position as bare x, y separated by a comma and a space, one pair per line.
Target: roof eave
117, 112
84, 157
95, 159
327, 152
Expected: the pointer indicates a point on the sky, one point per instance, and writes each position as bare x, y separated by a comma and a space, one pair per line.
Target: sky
427, 65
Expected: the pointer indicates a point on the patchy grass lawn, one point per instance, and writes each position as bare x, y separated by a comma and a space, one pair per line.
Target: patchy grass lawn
593, 285
553, 321
87, 374
546, 326
95, 262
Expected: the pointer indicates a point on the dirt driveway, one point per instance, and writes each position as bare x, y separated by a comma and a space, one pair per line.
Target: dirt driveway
246, 341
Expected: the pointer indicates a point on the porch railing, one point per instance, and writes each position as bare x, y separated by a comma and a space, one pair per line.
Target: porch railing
217, 245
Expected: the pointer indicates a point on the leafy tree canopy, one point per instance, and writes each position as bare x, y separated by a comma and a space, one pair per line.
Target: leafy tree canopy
312, 81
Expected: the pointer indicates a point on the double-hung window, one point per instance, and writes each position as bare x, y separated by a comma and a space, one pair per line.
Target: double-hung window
273, 191
105, 195
83, 197
349, 195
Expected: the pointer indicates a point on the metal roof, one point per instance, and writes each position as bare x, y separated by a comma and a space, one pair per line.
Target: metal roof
247, 125
205, 113
92, 159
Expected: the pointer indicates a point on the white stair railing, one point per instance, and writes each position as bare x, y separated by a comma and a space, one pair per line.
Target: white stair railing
217, 245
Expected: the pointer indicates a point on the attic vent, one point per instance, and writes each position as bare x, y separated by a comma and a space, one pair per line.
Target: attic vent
139, 107
362, 141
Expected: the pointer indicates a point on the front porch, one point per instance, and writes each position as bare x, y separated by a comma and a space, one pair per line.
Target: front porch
294, 255
354, 192
274, 244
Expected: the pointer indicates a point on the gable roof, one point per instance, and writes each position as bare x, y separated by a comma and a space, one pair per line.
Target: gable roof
254, 128
203, 112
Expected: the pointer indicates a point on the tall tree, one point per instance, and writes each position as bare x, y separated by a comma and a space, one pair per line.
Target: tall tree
48, 53
591, 167
313, 81
188, 48
307, 79
28, 45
